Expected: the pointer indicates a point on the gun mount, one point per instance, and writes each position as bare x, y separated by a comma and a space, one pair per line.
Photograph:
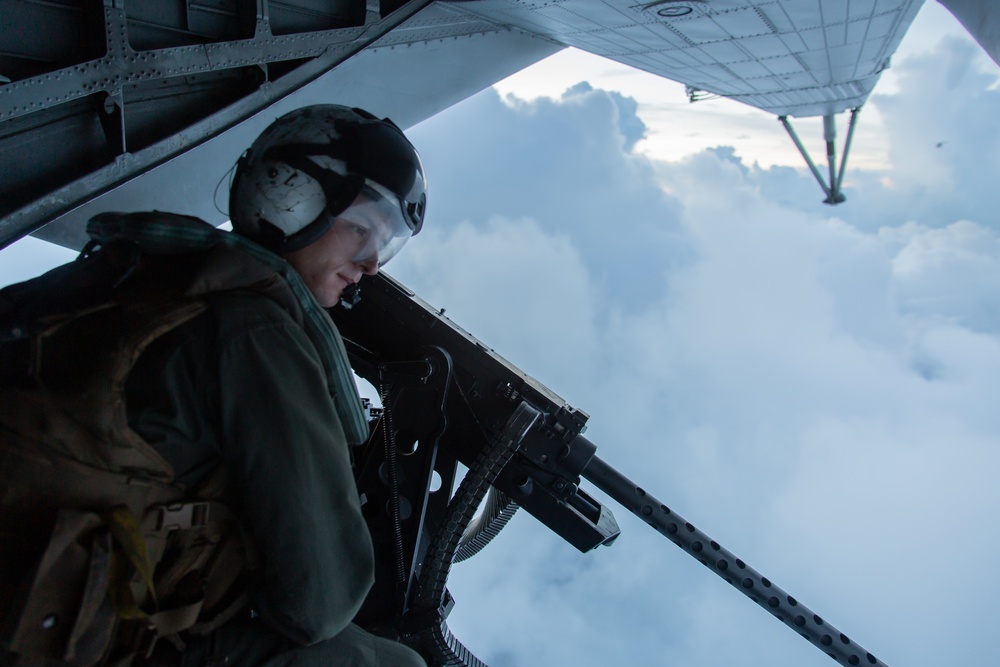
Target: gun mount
448, 400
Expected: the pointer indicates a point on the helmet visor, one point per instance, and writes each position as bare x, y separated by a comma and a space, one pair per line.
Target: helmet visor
378, 223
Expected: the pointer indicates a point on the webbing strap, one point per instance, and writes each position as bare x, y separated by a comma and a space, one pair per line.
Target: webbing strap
164, 233
172, 621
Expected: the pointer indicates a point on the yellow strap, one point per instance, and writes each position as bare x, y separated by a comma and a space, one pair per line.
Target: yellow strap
125, 530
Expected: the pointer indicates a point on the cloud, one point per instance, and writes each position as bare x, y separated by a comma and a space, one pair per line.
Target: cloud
813, 387
944, 159
543, 160
512, 262
952, 272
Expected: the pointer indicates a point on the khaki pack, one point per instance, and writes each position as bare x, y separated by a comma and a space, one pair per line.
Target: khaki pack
101, 553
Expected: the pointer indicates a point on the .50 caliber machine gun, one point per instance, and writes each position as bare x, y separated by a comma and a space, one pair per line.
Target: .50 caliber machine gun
449, 400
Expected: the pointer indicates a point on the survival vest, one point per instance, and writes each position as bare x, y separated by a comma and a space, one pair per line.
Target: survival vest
101, 552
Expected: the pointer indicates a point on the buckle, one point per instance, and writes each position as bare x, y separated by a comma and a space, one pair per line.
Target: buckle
181, 516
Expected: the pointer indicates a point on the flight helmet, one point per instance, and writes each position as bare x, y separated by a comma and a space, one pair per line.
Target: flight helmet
312, 165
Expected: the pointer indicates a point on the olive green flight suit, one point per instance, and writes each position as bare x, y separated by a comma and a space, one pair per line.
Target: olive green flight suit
242, 385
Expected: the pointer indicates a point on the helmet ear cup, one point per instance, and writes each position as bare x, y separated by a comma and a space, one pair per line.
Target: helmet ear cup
339, 190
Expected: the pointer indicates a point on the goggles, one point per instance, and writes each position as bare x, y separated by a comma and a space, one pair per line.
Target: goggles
378, 222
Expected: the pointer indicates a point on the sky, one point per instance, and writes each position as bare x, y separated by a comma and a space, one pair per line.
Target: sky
813, 387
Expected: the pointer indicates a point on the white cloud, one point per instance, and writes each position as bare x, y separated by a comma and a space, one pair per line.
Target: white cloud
952, 272
543, 161
537, 279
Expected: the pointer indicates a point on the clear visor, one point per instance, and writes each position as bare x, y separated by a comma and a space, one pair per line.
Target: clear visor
376, 223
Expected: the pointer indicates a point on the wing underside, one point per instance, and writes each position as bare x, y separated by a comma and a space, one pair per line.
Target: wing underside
788, 57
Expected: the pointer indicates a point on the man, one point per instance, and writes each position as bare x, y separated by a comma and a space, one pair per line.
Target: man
247, 400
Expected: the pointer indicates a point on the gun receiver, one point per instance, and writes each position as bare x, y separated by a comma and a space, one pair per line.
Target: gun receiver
449, 400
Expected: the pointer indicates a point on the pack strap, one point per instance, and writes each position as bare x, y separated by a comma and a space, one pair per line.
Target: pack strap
164, 624
128, 536
132, 537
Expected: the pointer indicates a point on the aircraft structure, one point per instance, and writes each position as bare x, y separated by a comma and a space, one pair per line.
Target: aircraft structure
121, 105
96, 95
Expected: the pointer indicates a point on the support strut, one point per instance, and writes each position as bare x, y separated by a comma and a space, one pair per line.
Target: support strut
834, 194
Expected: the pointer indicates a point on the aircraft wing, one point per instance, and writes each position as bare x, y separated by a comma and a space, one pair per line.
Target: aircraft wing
787, 57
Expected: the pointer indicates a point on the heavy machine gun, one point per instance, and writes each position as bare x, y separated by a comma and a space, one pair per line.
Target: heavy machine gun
449, 401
